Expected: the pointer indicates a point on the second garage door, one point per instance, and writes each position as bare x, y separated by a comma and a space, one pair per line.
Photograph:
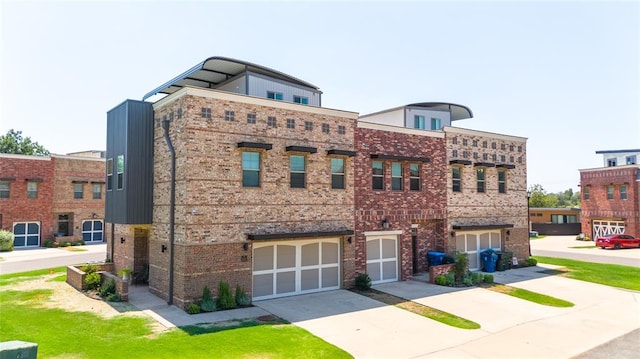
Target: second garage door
382, 259
295, 267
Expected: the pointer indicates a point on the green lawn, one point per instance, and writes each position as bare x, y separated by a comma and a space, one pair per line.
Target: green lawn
608, 274
528, 295
86, 335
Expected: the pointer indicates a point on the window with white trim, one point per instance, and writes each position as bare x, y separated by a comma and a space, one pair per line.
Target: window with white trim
97, 191
120, 171
5, 189
623, 191
250, 169
414, 177
92, 231
109, 174
274, 95
396, 176
32, 190
78, 189
456, 179
480, 185
377, 179
337, 173
609, 192
297, 174
502, 181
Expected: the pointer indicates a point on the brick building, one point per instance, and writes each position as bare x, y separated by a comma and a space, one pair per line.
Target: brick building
611, 195
55, 197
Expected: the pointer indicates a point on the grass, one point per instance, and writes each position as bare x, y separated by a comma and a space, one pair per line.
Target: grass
528, 295
72, 249
584, 247
63, 334
8, 279
614, 275
417, 308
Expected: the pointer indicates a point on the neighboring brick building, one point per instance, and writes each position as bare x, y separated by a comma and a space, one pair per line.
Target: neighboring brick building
56, 196
611, 195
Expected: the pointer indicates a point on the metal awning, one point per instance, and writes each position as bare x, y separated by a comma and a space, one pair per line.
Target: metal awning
458, 112
216, 70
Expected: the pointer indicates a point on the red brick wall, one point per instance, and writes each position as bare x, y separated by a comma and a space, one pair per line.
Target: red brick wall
401, 208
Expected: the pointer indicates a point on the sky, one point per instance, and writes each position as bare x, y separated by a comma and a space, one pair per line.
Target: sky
565, 75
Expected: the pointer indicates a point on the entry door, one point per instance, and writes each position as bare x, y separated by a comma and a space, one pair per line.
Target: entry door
605, 228
382, 259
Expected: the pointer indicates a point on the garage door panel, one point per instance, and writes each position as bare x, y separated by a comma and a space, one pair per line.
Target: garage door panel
485, 241
309, 279
310, 254
330, 277
373, 270
286, 256
329, 253
389, 270
262, 285
285, 282
263, 258
389, 248
373, 249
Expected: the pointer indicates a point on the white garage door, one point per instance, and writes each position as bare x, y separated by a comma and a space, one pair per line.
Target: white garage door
26, 234
473, 243
605, 228
295, 267
382, 259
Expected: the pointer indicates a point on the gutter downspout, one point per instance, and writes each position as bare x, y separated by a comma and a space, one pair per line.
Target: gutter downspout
172, 206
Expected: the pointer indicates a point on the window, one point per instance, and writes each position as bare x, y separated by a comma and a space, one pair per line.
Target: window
484, 144
308, 125
378, 175
494, 157
503, 146
205, 112
418, 122
271, 121
511, 148
623, 191
325, 127
480, 180
563, 218
519, 148
611, 162
251, 118
396, 176
585, 193
65, 228
78, 189
342, 130
485, 157
464, 141
631, 160
291, 123
609, 192
274, 95
297, 171
454, 153
465, 154
502, 181
456, 179
32, 190
503, 158
97, 191
520, 159
5, 189
109, 174
474, 143
493, 145
179, 113
301, 100
475, 155
435, 123
414, 177
250, 169
454, 140
229, 116
511, 159
337, 173
120, 171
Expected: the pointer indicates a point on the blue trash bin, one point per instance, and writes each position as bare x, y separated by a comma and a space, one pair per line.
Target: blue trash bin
489, 258
435, 258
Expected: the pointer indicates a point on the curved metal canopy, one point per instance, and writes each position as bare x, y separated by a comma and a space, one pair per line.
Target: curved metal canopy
216, 70
458, 112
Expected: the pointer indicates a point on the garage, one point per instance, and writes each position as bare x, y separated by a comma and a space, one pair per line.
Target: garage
604, 227
26, 234
288, 268
382, 258
473, 243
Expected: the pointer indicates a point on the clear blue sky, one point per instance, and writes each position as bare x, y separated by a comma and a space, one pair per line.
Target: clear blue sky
564, 75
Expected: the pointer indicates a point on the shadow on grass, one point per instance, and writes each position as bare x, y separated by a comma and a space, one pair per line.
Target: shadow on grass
207, 328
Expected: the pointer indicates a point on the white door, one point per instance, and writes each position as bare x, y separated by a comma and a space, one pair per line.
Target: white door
605, 228
382, 259
26, 234
473, 243
288, 268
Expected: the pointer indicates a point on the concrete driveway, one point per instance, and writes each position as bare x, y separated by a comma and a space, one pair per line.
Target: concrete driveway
569, 247
510, 327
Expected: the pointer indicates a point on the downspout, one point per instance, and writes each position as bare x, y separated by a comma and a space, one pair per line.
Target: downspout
113, 240
172, 206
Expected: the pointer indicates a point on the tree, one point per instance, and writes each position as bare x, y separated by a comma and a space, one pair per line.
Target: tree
540, 198
13, 142
568, 198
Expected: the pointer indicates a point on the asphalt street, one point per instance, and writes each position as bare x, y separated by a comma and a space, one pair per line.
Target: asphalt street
40, 258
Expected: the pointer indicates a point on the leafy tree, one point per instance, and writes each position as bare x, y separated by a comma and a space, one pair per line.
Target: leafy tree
568, 198
541, 199
13, 143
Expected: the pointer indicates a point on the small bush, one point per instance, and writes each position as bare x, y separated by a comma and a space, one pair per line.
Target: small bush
65, 244
476, 278
89, 268
80, 242
441, 280
6, 241
531, 262
113, 297
108, 287
363, 281
193, 308
225, 298
73, 244
460, 266
242, 299
487, 278
92, 281
450, 279
208, 304
49, 243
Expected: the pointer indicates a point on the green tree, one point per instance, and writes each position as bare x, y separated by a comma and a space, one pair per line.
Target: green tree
568, 198
539, 198
13, 143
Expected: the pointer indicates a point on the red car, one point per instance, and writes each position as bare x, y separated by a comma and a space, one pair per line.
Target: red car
618, 241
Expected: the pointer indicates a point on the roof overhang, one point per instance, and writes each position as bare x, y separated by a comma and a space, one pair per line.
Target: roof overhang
289, 235
458, 112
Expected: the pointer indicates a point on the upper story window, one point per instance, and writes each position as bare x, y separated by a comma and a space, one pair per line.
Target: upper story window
325, 128
494, 145
519, 148
585, 193
291, 123
511, 148
563, 218
456, 179
418, 122
271, 121
378, 175
464, 141
308, 125
484, 144
612, 162
454, 140
32, 190
250, 169
229, 116
297, 171
109, 174
179, 113
97, 191
502, 181
454, 153
436, 123
623, 191
414, 177
274, 95
480, 180
396, 176
503, 158
78, 190
205, 112
251, 118
5, 189
301, 100
494, 157
631, 160
503, 146
474, 143
342, 130
120, 171
609, 192
485, 157
337, 173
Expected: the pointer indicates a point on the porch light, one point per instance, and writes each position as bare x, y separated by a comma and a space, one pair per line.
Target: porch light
385, 224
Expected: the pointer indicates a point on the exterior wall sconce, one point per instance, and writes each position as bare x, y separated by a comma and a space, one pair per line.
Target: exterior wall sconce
245, 246
94, 215
453, 234
385, 224
163, 248
122, 240
349, 239
508, 232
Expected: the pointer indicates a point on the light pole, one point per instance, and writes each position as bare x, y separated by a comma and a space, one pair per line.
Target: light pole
529, 221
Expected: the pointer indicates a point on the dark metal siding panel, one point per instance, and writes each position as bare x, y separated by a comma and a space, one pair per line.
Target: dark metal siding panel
139, 166
115, 201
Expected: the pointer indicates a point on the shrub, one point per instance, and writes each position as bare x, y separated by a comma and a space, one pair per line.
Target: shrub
73, 244
80, 242
450, 279
225, 298
363, 281
487, 278
242, 299
208, 304
441, 280
113, 297
193, 308
49, 243
460, 266
108, 287
531, 262
476, 278
65, 244
89, 268
92, 281
6, 241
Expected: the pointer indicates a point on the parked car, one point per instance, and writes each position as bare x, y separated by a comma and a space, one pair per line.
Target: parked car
618, 241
